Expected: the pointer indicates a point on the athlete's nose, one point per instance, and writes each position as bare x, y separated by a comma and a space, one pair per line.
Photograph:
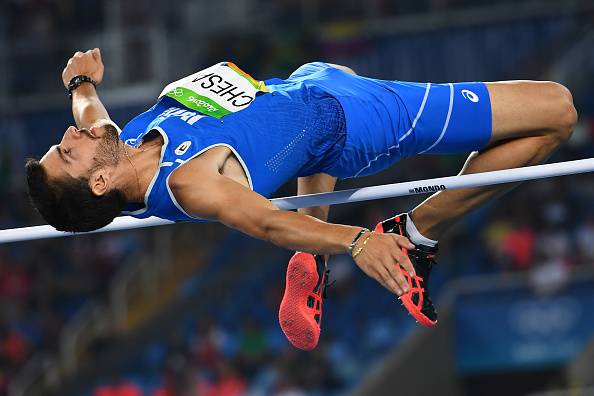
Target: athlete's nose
71, 133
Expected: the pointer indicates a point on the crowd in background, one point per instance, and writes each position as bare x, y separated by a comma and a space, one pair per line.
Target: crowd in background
42, 19
44, 284
44, 29
544, 227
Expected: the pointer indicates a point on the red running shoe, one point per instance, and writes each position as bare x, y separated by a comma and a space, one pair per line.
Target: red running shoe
416, 300
300, 313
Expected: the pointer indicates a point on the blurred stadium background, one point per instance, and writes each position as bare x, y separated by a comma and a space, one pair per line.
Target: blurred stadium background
191, 309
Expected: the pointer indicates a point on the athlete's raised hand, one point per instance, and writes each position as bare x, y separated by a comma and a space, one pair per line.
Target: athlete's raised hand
84, 63
381, 256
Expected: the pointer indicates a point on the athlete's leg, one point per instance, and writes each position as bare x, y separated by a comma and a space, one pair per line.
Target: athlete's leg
529, 121
343, 68
314, 184
300, 311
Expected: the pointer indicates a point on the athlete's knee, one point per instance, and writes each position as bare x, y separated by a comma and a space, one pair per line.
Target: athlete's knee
343, 68
565, 113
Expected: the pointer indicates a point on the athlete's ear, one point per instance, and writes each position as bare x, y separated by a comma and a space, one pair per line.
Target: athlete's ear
99, 181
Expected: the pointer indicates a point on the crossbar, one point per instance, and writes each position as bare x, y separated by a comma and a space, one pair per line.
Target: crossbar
345, 196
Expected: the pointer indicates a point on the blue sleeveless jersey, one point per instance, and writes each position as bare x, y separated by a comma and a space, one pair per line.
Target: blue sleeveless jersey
280, 136
320, 119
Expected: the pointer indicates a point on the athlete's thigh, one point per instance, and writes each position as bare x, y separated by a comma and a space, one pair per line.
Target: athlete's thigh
526, 108
314, 184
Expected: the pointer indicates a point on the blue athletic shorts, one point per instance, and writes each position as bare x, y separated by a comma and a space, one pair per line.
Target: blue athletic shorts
390, 120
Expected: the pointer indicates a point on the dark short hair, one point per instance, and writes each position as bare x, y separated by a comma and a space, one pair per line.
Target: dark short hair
68, 204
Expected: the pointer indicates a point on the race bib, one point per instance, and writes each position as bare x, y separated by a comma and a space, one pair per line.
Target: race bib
217, 91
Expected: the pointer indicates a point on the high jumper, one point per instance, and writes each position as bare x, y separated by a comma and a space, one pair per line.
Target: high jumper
218, 142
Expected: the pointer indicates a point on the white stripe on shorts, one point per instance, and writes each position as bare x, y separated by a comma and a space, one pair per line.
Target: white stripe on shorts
447, 121
412, 127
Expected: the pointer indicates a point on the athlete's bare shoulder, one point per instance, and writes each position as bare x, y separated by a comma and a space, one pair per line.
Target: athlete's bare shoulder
200, 167
203, 191
198, 182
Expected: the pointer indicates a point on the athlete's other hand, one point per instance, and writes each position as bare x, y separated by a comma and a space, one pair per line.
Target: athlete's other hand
381, 258
87, 64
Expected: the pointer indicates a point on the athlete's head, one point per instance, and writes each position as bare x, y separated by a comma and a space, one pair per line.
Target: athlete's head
71, 185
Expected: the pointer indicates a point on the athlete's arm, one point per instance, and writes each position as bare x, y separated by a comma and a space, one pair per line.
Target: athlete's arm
86, 106
205, 193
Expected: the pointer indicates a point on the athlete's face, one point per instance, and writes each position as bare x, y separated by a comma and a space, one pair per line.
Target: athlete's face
82, 151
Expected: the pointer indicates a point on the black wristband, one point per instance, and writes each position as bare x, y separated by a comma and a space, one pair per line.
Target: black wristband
77, 81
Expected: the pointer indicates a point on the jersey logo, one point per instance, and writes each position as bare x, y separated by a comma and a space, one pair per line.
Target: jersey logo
470, 95
182, 148
188, 116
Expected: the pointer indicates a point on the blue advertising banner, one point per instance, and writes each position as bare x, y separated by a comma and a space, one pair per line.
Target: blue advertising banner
518, 330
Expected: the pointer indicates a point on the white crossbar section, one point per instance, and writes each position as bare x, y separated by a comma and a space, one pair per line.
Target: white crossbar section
345, 196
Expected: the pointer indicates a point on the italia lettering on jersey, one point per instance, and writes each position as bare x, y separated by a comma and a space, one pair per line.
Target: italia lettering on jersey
188, 116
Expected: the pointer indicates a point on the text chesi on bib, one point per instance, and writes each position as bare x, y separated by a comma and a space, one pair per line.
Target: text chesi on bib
220, 90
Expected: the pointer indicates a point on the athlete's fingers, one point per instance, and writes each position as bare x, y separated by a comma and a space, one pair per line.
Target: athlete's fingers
380, 275
392, 282
396, 287
402, 258
389, 283
396, 276
404, 261
78, 54
97, 56
410, 245
403, 241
